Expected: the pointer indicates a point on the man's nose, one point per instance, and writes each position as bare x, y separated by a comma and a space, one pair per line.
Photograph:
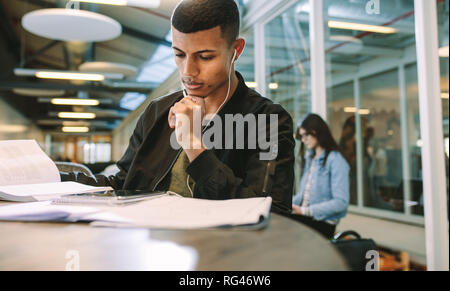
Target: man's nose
190, 67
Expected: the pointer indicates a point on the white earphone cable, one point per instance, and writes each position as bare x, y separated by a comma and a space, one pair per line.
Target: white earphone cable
220, 108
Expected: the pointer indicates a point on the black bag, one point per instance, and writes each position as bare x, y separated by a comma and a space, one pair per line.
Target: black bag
355, 250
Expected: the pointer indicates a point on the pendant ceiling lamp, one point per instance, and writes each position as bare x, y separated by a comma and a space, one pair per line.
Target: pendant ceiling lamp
71, 25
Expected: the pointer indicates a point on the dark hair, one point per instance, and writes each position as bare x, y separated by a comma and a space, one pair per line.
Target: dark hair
196, 15
314, 125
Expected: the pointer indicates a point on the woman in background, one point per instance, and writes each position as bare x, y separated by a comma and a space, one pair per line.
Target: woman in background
323, 196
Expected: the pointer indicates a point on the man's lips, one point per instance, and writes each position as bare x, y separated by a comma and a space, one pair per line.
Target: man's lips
193, 86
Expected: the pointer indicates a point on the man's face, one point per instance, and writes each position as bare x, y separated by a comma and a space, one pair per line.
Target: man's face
203, 59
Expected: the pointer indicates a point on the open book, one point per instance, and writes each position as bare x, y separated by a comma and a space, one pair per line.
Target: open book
27, 174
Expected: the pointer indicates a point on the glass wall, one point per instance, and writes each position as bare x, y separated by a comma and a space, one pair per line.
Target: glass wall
340, 106
288, 72
373, 102
246, 63
288, 66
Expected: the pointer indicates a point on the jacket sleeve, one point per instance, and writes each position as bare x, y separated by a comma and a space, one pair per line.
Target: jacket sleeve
340, 187
116, 181
216, 181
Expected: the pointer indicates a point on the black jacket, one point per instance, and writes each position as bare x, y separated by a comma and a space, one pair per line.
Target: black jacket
219, 174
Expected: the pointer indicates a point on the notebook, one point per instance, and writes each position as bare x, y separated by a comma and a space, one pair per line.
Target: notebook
27, 174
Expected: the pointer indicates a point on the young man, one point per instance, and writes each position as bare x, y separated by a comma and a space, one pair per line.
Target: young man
206, 46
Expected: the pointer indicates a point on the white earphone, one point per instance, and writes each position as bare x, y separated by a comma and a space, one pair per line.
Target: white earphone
234, 56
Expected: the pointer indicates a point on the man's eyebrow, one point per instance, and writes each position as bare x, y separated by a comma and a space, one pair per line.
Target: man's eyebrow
199, 52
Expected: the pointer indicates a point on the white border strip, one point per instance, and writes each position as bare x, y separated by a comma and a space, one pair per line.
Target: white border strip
433, 165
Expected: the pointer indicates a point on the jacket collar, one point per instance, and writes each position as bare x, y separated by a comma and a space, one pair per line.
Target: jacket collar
312, 153
232, 106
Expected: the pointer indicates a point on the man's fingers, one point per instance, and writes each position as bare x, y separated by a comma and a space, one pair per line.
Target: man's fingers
172, 118
185, 106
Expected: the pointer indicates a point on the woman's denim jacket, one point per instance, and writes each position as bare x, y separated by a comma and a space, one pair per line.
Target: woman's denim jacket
329, 192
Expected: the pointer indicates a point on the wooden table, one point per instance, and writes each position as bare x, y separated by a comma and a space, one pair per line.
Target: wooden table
284, 245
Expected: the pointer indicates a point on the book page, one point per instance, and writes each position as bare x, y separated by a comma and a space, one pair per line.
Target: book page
24, 162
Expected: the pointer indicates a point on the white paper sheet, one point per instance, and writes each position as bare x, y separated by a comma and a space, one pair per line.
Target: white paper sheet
24, 162
173, 212
44, 211
47, 191
166, 212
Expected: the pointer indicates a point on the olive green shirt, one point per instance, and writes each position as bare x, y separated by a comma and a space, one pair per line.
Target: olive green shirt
179, 177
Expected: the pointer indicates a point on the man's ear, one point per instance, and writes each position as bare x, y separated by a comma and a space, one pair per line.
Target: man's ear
239, 46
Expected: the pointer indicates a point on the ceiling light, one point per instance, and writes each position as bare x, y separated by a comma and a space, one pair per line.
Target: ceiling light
136, 3
66, 75
80, 102
444, 95
253, 85
76, 123
443, 52
273, 86
12, 128
80, 129
70, 76
364, 111
361, 27
353, 110
77, 115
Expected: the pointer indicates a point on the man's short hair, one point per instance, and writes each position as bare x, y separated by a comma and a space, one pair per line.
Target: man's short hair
196, 15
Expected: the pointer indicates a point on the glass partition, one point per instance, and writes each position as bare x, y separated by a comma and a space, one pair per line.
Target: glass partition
288, 66
373, 103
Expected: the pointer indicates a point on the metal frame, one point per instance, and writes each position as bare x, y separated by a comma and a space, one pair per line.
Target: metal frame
405, 139
317, 51
359, 144
260, 59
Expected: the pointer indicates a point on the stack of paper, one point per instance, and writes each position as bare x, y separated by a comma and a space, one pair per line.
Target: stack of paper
166, 212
